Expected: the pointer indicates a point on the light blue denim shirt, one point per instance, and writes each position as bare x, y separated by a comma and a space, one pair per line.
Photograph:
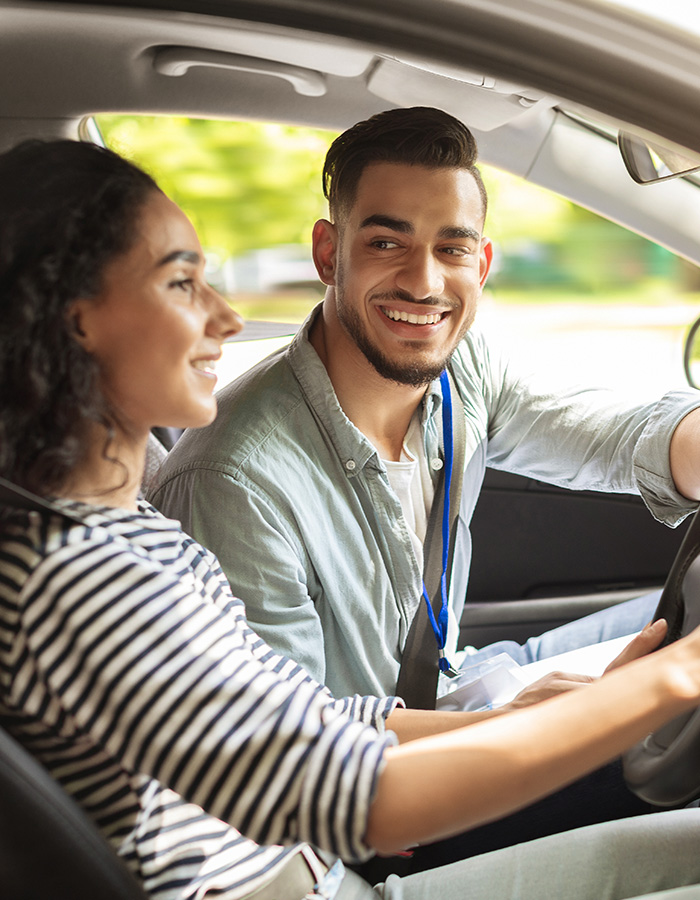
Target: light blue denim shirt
296, 503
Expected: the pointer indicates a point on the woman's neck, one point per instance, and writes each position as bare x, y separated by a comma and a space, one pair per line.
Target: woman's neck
110, 472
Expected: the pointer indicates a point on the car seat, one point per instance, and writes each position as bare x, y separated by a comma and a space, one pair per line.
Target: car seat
49, 848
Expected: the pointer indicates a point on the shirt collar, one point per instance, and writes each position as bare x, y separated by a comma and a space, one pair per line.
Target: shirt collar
349, 442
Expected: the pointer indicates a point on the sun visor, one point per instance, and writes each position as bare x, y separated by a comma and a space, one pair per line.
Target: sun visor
480, 101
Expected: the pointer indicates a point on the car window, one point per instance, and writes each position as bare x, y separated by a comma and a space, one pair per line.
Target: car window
570, 294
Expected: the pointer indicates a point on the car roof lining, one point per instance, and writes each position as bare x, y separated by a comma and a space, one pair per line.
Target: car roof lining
134, 45
517, 129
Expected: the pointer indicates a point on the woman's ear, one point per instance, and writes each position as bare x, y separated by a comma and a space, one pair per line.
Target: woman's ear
324, 241
76, 320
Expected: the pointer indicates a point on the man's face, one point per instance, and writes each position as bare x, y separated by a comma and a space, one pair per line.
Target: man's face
409, 266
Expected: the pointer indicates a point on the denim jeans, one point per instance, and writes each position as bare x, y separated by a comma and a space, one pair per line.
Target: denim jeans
615, 621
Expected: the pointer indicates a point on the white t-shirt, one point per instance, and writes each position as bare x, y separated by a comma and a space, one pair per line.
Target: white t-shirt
412, 484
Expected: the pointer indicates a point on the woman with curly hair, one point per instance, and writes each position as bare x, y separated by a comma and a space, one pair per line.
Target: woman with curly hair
211, 764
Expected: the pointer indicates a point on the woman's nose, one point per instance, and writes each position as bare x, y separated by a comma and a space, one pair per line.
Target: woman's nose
224, 321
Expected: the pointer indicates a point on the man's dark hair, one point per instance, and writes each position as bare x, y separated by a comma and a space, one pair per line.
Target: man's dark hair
419, 136
66, 210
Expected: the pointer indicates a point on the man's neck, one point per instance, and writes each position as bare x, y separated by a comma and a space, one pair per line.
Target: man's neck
381, 409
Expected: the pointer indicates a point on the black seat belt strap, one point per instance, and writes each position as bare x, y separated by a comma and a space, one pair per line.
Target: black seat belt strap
15, 497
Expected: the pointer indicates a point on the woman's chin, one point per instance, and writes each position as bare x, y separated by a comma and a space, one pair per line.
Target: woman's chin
203, 417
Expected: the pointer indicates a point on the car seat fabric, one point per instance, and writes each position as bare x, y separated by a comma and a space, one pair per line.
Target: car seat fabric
48, 846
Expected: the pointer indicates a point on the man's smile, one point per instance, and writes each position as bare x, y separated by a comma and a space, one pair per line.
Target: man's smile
400, 315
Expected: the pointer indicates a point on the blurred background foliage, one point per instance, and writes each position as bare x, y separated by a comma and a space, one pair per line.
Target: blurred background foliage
245, 185
250, 186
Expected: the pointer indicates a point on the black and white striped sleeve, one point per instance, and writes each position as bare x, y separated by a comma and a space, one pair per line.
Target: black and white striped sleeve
174, 686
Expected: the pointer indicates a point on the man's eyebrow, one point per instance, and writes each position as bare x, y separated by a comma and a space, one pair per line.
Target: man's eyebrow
400, 225
403, 226
459, 231
188, 256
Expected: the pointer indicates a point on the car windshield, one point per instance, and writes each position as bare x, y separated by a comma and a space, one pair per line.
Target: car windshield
679, 13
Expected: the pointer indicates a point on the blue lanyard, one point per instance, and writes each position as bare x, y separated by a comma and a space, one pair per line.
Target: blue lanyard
439, 626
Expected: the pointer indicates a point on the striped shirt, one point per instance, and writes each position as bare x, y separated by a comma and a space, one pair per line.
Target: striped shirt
128, 669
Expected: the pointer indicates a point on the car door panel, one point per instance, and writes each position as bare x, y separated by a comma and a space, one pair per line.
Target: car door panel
543, 556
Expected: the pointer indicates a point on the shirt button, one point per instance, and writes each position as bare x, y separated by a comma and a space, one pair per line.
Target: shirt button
350, 465
436, 464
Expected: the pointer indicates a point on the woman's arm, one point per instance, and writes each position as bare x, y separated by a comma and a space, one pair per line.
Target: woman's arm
436, 786
410, 724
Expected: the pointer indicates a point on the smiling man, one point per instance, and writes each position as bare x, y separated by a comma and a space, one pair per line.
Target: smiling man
323, 485
405, 263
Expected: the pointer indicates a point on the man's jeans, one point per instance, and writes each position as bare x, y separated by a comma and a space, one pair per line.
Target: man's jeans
615, 621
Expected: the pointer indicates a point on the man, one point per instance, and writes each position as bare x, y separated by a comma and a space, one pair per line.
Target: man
315, 485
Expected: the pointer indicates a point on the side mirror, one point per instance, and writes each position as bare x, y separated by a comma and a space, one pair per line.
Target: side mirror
691, 355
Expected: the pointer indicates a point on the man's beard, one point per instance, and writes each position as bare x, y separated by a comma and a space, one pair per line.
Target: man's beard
412, 372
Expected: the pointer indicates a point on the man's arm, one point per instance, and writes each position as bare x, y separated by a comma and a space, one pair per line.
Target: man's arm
603, 441
684, 456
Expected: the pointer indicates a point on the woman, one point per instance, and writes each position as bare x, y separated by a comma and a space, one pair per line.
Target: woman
127, 666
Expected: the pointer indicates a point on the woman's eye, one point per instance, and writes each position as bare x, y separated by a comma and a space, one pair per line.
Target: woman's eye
183, 284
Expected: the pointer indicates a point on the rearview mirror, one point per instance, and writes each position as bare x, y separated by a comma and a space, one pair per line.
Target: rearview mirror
691, 355
649, 162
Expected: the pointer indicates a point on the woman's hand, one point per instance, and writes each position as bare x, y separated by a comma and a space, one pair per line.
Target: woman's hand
469, 776
559, 682
648, 639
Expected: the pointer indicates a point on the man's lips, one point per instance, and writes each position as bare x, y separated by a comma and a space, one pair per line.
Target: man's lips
413, 318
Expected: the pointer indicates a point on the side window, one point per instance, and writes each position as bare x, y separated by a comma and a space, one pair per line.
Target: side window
253, 191
582, 298
570, 293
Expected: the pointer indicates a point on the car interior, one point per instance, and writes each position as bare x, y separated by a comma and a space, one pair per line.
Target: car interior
553, 94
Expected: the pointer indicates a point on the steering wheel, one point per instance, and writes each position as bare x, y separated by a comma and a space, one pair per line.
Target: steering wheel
664, 768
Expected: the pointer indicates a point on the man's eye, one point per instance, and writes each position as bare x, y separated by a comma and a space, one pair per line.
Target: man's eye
384, 245
456, 251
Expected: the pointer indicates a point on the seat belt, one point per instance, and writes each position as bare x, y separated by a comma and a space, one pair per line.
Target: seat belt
418, 675
18, 498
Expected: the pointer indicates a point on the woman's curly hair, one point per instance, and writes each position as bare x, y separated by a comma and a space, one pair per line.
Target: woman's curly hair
66, 210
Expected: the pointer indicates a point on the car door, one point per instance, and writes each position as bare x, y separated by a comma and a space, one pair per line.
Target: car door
543, 556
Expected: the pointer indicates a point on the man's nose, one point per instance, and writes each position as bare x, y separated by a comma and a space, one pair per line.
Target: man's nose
420, 275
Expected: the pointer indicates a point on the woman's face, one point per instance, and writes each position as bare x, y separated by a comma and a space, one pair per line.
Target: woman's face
156, 326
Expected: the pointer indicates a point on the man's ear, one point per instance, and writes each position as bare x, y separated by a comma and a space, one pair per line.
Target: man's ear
325, 243
485, 260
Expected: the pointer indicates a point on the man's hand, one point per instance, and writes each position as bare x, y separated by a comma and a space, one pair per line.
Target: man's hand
549, 685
